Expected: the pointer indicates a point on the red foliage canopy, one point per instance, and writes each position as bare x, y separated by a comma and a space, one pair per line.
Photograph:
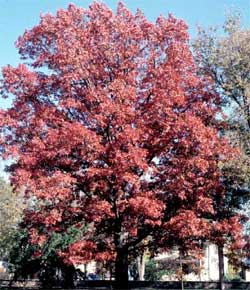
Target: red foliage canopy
112, 128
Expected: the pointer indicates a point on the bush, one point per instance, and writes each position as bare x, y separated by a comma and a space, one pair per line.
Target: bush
153, 271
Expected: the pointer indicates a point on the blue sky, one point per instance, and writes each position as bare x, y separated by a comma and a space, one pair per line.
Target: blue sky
18, 15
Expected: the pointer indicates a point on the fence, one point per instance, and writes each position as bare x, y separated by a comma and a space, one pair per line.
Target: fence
140, 285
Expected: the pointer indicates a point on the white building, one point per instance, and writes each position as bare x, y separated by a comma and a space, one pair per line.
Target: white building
209, 265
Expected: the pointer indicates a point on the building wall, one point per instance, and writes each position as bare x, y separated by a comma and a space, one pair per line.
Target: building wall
248, 275
3, 268
89, 268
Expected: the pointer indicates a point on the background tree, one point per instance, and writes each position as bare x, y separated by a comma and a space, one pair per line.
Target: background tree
225, 58
11, 209
112, 130
28, 258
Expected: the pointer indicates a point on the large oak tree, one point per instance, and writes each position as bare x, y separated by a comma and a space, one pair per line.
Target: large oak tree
112, 131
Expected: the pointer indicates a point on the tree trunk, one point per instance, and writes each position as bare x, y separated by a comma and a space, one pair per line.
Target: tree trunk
141, 266
85, 272
221, 267
181, 267
68, 273
243, 273
121, 269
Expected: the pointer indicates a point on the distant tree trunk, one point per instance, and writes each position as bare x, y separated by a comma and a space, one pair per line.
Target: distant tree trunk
181, 267
141, 266
121, 269
110, 270
243, 273
98, 270
221, 266
85, 272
